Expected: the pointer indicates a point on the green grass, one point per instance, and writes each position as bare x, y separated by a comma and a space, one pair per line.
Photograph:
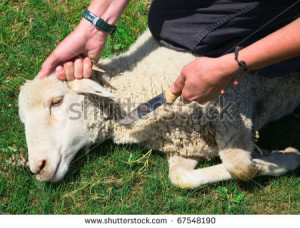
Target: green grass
109, 180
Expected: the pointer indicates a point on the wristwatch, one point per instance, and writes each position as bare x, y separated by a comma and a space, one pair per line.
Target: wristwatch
101, 24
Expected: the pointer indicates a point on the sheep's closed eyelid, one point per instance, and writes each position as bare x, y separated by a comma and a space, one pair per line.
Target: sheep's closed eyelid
55, 102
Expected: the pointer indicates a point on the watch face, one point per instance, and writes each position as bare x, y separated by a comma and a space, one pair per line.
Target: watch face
88, 15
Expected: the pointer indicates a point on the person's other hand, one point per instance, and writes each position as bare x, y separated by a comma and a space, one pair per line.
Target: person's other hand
203, 79
74, 56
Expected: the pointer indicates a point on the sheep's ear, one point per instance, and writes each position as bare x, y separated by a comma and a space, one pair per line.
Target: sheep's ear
89, 86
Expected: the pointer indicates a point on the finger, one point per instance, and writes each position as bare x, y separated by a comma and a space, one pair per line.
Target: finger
60, 73
69, 69
78, 68
183, 100
178, 85
213, 98
87, 67
186, 97
201, 101
50, 63
64, 51
204, 100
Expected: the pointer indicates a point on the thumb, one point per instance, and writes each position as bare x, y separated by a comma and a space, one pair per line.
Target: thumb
66, 50
50, 63
178, 85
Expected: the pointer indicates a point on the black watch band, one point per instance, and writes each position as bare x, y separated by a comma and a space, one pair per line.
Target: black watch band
101, 24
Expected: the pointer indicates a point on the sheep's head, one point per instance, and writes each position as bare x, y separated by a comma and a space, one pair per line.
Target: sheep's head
53, 138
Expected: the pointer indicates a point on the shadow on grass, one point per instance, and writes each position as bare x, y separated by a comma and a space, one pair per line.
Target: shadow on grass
277, 135
282, 133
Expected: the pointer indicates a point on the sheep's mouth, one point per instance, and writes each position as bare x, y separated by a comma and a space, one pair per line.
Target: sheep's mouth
53, 177
57, 167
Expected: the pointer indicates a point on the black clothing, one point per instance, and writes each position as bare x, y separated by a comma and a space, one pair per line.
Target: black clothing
213, 27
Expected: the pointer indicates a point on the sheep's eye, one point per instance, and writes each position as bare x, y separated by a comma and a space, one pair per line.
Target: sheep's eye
57, 101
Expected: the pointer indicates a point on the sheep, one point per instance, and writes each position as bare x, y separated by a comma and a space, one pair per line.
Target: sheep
62, 117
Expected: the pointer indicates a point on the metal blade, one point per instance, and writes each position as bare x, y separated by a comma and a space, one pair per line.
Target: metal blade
143, 109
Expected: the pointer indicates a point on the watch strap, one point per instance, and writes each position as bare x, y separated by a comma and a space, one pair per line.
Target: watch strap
98, 22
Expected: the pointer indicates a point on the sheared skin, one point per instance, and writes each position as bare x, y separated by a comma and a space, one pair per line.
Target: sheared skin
144, 72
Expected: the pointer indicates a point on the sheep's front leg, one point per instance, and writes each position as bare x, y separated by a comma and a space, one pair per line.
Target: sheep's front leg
182, 173
278, 163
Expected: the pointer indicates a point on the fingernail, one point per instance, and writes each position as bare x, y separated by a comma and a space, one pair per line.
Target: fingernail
172, 87
39, 75
59, 70
86, 60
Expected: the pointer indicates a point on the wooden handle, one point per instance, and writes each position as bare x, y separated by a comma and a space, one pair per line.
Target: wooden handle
170, 97
96, 68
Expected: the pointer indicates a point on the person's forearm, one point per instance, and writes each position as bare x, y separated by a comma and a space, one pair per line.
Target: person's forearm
280, 45
74, 56
204, 79
108, 10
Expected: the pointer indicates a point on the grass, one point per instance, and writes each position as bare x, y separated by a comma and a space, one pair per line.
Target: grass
113, 179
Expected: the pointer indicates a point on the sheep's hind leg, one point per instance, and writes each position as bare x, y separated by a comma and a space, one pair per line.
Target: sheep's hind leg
239, 163
279, 162
236, 149
182, 173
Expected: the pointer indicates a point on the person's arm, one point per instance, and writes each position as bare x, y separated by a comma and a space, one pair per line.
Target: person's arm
204, 78
74, 56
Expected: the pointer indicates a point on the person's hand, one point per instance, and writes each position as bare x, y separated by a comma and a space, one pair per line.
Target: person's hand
74, 56
203, 79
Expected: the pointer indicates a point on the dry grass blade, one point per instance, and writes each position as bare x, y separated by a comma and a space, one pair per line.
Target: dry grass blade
103, 181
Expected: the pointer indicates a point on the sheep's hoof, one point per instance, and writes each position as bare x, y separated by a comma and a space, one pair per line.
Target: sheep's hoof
181, 178
288, 158
290, 150
278, 162
243, 172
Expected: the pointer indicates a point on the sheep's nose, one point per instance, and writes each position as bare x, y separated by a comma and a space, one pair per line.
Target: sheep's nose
39, 167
